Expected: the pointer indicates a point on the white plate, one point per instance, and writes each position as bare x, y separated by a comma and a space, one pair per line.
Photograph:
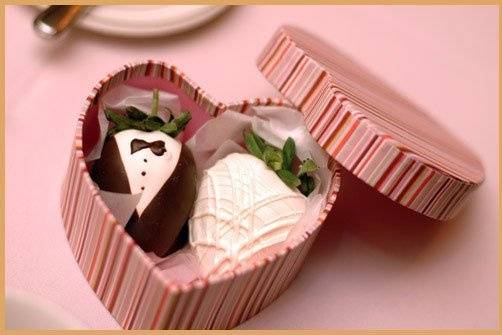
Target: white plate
24, 310
147, 20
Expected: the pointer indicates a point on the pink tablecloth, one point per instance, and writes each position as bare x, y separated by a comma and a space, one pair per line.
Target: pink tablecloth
375, 265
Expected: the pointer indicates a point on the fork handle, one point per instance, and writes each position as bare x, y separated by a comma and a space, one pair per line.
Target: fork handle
56, 19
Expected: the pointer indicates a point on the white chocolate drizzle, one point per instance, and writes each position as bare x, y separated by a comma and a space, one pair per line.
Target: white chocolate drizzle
242, 208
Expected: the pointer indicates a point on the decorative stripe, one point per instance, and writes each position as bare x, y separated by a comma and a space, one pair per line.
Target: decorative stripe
352, 140
126, 280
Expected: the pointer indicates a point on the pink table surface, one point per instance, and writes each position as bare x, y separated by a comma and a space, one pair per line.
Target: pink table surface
375, 264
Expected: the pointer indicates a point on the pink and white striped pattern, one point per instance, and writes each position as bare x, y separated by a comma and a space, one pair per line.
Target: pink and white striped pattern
433, 177
125, 279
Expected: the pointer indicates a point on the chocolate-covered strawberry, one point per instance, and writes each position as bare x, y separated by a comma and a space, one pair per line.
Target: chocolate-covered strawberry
141, 155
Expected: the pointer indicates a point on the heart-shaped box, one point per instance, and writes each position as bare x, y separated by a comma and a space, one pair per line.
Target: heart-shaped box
125, 279
363, 125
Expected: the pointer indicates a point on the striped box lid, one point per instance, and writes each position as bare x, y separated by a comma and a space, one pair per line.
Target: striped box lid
370, 129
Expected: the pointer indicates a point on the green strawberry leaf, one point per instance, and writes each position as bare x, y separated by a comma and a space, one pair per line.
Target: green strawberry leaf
135, 114
261, 143
308, 166
289, 178
251, 144
272, 157
169, 128
182, 120
288, 153
307, 184
153, 123
118, 119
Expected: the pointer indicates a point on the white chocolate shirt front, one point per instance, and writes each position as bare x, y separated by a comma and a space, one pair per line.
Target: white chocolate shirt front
147, 172
242, 208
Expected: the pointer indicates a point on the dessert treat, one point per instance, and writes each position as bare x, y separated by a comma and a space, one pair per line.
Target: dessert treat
140, 155
247, 203
141, 290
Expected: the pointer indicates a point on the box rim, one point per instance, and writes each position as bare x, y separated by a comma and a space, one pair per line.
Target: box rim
215, 109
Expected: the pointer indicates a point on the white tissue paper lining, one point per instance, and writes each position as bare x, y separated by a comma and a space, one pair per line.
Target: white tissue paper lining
123, 205
218, 138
